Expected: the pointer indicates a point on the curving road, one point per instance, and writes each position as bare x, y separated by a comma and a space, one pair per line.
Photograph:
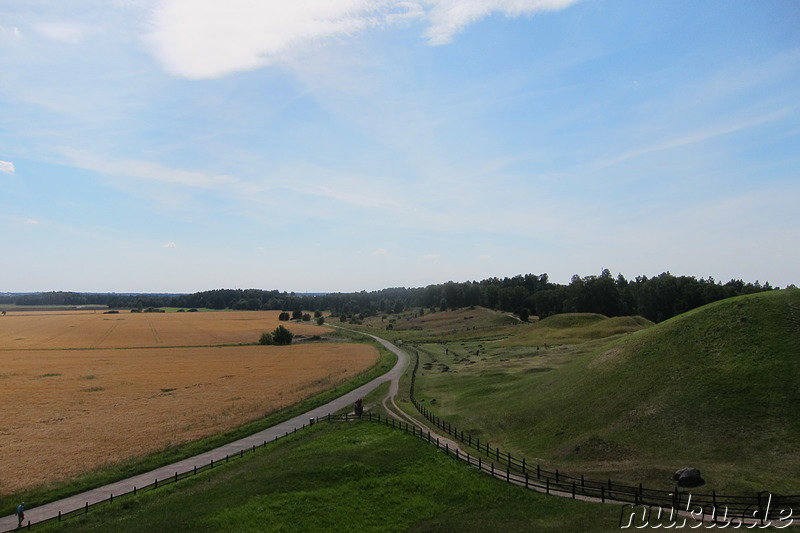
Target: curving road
78, 501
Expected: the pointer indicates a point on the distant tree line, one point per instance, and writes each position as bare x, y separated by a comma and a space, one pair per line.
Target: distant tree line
657, 298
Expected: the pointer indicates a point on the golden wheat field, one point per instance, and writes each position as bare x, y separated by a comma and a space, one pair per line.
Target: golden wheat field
83, 391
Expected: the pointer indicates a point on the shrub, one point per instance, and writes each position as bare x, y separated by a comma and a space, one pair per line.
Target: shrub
266, 339
282, 336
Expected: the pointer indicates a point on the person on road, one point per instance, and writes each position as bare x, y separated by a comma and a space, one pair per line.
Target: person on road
20, 514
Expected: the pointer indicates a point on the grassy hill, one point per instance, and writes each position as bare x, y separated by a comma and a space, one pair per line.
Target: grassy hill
717, 388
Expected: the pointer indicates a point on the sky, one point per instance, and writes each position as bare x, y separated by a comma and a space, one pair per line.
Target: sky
348, 145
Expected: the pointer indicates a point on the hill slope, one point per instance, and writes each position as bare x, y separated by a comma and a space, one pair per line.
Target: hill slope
717, 388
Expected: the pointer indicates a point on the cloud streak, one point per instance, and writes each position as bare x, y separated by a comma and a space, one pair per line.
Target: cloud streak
447, 18
699, 136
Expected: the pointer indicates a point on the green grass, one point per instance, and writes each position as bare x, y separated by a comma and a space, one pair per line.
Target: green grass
716, 388
361, 477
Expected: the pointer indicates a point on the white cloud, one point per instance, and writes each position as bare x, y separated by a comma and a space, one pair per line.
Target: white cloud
211, 38
381, 251
7, 167
170, 245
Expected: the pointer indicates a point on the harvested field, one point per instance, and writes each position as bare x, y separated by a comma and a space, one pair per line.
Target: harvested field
68, 411
94, 329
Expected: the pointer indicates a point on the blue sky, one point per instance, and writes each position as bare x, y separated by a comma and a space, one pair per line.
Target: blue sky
347, 145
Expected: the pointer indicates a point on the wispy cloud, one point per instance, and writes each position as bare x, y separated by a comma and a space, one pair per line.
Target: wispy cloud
170, 245
7, 167
700, 136
382, 252
209, 39
65, 32
146, 170
449, 17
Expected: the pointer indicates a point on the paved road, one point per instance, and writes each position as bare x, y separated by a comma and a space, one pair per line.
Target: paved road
50, 510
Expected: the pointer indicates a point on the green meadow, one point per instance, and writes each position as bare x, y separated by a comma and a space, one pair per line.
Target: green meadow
356, 476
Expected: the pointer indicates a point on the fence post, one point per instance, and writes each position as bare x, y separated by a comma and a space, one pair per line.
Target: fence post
526, 480
176, 477
523, 464
547, 485
59, 516
602, 494
195, 470
155, 484
573, 490
212, 460
87, 507
111, 498
508, 475
134, 490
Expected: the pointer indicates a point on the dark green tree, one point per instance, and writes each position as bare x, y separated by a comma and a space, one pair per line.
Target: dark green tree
282, 336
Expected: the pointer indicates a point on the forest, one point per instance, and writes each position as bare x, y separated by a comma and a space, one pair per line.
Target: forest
657, 298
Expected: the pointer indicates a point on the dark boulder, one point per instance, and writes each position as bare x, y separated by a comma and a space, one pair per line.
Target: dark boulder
688, 477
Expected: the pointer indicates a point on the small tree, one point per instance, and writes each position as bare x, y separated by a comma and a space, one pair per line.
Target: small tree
266, 339
297, 314
284, 317
282, 336
306, 317
320, 320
